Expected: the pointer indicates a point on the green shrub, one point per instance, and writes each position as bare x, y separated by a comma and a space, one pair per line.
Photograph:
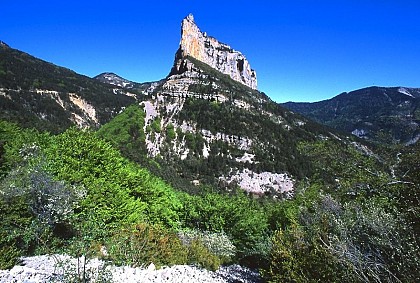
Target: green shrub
156, 125
237, 215
143, 244
199, 254
295, 257
170, 132
218, 243
9, 255
118, 191
355, 242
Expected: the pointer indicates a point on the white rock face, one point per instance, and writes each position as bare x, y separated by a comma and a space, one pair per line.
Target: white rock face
261, 183
153, 145
88, 109
242, 143
361, 133
54, 95
218, 55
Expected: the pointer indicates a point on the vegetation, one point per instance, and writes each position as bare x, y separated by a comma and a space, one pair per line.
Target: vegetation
75, 193
353, 217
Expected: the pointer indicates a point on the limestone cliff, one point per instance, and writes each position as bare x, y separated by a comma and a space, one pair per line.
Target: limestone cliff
209, 50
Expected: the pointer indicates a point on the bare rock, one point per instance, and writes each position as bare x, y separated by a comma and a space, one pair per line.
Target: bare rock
209, 50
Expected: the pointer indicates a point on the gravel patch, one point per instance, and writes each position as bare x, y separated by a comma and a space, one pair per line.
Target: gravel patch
62, 268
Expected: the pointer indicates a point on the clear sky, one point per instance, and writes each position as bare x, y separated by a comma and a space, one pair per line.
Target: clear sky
301, 50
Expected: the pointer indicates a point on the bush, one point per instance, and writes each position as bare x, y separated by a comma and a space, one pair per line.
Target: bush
237, 215
143, 244
355, 242
199, 254
156, 125
118, 191
218, 244
9, 255
295, 257
33, 205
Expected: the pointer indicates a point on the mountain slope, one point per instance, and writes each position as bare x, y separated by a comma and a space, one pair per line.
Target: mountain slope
39, 94
202, 127
384, 115
197, 127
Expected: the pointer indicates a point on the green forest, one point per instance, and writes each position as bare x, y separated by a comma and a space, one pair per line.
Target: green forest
352, 220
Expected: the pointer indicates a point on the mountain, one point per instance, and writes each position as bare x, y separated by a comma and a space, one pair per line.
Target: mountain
205, 124
114, 79
351, 213
39, 94
202, 126
385, 115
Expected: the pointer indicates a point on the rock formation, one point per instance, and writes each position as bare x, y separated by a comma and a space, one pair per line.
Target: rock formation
209, 50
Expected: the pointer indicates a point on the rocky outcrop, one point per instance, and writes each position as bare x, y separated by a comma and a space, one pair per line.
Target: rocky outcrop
259, 184
209, 50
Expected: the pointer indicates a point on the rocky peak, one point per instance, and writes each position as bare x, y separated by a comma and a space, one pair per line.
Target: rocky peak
209, 50
3, 44
114, 79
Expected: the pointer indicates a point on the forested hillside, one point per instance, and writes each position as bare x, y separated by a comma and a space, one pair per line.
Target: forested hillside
75, 193
386, 115
39, 94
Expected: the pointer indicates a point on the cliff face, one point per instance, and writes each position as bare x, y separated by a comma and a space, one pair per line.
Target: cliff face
209, 50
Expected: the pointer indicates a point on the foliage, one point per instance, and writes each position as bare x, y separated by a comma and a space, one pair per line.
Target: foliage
155, 126
354, 242
14, 141
240, 217
217, 243
34, 206
295, 258
14, 240
125, 131
66, 184
199, 254
345, 168
143, 244
117, 190
376, 243
170, 132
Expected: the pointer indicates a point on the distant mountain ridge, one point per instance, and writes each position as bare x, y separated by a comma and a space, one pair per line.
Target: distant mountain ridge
39, 94
380, 114
114, 79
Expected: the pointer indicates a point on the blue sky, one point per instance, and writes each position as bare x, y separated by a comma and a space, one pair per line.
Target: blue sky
301, 50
